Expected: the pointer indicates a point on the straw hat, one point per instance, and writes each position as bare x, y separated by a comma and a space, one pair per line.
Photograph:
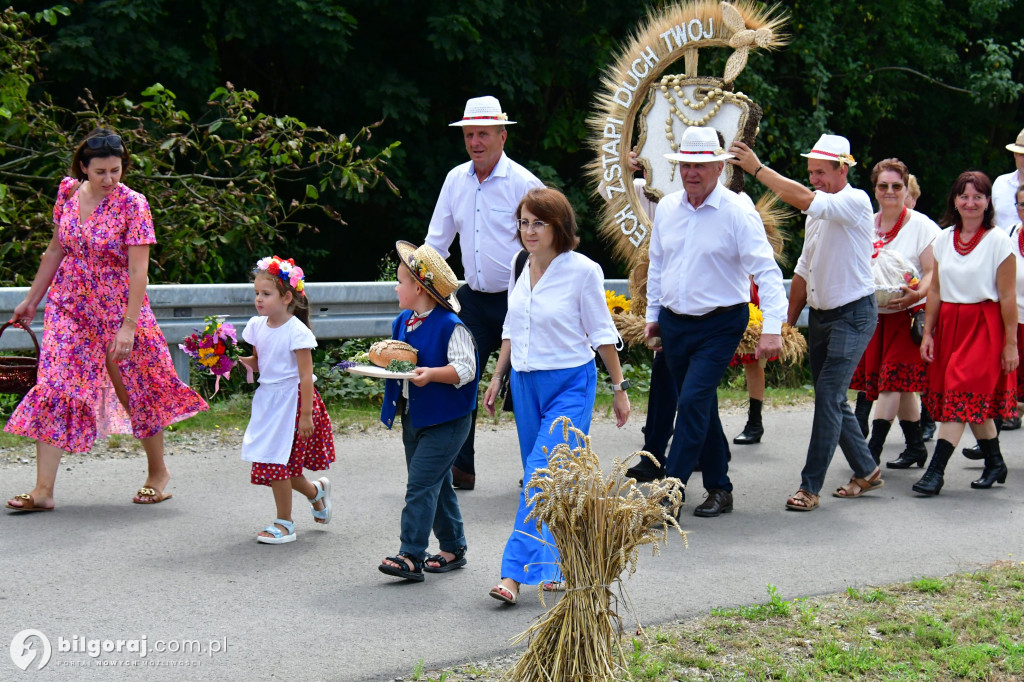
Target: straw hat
431, 271
699, 145
1018, 147
483, 111
832, 148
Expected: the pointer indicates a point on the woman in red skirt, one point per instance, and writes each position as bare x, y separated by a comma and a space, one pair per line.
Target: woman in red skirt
891, 372
970, 331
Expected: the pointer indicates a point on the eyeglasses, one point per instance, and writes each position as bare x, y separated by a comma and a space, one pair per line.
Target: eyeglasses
111, 141
537, 225
1020, 204
886, 186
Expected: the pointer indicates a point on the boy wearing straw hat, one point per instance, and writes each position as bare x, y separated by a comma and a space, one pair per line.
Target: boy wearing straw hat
478, 203
833, 277
437, 409
1004, 189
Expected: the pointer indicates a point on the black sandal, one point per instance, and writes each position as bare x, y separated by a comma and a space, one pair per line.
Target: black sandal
443, 565
416, 574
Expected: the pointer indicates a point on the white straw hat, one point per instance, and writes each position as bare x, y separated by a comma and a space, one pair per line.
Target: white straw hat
1017, 148
832, 148
699, 145
483, 111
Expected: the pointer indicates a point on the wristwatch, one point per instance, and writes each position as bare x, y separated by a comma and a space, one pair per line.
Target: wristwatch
622, 386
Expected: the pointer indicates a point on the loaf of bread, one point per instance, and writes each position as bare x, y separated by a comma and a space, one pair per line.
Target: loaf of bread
383, 352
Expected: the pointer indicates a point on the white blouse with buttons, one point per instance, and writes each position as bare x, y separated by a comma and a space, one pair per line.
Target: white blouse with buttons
558, 323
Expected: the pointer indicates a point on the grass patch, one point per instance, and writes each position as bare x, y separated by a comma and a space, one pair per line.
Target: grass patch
962, 627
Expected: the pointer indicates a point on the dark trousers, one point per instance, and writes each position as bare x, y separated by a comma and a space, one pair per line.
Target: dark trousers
662, 399
483, 314
698, 352
836, 340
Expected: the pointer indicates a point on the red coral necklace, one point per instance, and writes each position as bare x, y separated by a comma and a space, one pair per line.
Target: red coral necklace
886, 237
962, 247
1020, 239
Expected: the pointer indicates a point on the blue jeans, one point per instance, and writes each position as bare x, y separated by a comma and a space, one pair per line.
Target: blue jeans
698, 353
430, 500
837, 338
530, 555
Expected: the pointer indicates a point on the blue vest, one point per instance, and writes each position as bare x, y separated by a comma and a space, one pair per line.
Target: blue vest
435, 403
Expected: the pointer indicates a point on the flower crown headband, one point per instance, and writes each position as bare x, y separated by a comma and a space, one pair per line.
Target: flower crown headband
290, 273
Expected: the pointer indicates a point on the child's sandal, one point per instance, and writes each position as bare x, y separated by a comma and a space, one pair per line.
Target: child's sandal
323, 492
279, 537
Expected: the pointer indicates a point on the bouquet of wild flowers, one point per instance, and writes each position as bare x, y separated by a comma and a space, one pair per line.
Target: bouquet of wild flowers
215, 348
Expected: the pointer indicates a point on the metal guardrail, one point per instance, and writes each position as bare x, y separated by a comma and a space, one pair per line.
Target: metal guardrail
340, 310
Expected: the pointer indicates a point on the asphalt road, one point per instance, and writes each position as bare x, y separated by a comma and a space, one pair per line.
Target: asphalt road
189, 570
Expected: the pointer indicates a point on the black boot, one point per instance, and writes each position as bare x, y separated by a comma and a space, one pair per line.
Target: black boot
754, 429
927, 424
916, 452
975, 452
862, 411
879, 431
995, 467
931, 482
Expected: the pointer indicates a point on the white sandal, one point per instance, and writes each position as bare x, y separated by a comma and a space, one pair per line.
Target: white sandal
323, 487
280, 537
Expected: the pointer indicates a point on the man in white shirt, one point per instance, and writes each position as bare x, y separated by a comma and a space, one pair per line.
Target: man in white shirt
1004, 189
705, 245
833, 277
478, 202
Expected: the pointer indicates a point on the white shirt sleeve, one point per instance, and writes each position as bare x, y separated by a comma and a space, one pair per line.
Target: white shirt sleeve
442, 230
841, 207
462, 355
301, 335
654, 256
594, 314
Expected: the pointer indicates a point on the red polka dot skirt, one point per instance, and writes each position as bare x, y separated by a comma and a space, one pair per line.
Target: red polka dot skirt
314, 453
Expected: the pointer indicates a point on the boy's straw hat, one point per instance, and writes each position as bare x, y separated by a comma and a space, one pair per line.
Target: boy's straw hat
431, 271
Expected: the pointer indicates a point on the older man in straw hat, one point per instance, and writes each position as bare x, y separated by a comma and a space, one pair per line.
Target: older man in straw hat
478, 202
1004, 189
834, 277
705, 244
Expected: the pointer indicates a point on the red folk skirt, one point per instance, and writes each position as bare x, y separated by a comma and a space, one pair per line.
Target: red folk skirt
966, 382
315, 453
892, 361
1020, 362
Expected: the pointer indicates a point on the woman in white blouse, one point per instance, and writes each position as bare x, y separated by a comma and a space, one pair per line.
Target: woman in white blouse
891, 372
970, 331
557, 316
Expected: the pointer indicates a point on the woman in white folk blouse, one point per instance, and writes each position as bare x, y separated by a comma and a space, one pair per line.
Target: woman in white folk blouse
557, 317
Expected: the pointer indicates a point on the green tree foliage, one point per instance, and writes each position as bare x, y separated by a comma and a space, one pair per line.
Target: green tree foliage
224, 187
935, 83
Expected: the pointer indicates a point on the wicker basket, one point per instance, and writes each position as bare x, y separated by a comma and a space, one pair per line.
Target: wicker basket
17, 373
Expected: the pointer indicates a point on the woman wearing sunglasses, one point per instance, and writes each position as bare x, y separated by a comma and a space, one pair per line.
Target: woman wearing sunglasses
891, 371
104, 366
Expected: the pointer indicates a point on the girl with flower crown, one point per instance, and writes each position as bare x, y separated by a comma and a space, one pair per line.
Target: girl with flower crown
290, 428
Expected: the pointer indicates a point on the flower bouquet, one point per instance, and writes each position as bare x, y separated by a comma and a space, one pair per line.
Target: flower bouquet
215, 348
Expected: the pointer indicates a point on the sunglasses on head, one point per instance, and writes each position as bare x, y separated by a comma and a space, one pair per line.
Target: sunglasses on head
100, 141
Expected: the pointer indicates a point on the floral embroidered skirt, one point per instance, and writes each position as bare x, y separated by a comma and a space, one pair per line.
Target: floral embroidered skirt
314, 453
966, 382
892, 361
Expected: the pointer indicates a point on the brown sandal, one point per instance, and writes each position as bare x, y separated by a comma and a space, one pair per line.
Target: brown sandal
863, 484
802, 500
27, 504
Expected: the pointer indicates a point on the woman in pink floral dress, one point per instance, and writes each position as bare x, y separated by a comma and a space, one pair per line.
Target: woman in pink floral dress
104, 366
